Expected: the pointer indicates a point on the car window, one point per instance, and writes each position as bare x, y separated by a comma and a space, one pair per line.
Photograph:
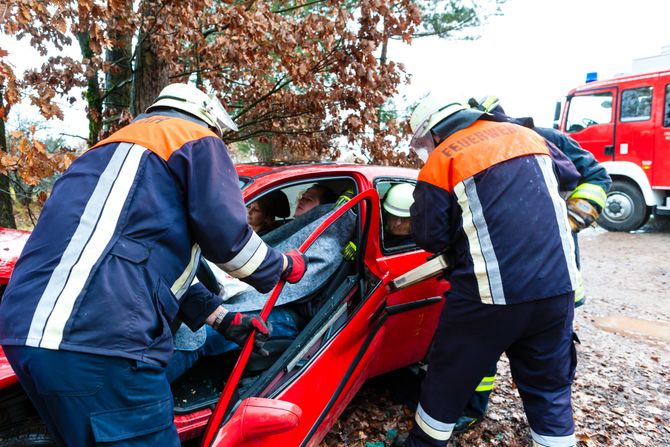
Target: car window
395, 234
321, 301
587, 110
244, 182
636, 104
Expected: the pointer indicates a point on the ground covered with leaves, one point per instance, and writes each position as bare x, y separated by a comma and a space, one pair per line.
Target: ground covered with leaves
621, 395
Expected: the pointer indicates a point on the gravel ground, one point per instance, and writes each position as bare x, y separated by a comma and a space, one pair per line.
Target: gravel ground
621, 395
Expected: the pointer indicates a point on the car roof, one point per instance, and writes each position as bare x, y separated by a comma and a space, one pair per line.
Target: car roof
255, 171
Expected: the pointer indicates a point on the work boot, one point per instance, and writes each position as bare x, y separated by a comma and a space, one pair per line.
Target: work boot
465, 423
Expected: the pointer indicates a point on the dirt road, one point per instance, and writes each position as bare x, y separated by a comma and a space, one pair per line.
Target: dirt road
621, 395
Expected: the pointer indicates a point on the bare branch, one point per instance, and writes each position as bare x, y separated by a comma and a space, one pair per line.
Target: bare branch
72, 135
293, 8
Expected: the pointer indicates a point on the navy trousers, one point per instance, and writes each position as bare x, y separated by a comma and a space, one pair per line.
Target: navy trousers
471, 336
478, 403
88, 400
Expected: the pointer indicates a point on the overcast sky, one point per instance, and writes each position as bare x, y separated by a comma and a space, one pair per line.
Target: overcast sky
529, 57
538, 50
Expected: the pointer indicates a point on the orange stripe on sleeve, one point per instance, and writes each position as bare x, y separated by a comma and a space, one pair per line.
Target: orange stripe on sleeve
476, 148
160, 134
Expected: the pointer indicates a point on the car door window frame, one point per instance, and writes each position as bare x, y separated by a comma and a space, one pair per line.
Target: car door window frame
389, 251
273, 371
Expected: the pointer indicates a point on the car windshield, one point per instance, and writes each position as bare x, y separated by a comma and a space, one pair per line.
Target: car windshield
587, 110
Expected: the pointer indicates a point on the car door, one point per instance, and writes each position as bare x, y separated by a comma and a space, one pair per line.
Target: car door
317, 376
411, 313
590, 121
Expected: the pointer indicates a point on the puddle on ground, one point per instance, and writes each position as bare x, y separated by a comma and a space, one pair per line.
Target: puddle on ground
629, 326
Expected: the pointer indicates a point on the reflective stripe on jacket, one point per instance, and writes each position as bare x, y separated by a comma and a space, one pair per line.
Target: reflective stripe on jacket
110, 262
490, 192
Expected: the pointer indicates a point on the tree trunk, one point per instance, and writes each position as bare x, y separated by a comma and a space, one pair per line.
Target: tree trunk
385, 49
118, 80
93, 96
151, 74
6, 209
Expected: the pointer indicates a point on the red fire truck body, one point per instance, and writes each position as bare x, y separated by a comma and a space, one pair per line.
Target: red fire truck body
625, 123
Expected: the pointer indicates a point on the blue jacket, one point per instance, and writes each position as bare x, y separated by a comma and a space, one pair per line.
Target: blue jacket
490, 193
594, 182
110, 262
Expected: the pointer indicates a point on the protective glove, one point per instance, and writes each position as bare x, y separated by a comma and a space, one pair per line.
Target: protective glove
237, 326
344, 198
581, 214
349, 251
296, 266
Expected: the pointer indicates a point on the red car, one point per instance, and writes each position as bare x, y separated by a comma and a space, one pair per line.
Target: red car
360, 328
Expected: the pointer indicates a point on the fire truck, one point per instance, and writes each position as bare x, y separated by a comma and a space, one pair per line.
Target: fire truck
625, 123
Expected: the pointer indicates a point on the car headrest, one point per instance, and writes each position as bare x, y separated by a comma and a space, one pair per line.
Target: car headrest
280, 204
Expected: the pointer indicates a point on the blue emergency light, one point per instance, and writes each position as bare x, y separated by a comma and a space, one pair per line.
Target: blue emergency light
592, 76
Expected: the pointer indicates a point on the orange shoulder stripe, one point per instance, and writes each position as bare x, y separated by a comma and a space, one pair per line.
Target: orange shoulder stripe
160, 134
476, 148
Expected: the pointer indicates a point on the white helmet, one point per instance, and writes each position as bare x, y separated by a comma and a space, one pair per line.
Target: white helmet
190, 99
398, 199
430, 111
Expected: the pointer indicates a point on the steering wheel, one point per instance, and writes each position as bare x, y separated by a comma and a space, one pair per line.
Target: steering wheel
588, 122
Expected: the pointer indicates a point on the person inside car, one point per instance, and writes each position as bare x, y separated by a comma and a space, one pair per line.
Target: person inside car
324, 258
312, 197
397, 226
259, 215
262, 214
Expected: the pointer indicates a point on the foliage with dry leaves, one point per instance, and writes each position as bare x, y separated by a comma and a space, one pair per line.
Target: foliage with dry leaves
299, 76
303, 79
295, 75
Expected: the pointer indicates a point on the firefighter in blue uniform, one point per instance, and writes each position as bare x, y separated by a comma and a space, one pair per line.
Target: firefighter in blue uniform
584, 203
489, 193
85, 320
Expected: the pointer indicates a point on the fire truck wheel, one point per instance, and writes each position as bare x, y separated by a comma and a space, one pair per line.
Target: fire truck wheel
625, 209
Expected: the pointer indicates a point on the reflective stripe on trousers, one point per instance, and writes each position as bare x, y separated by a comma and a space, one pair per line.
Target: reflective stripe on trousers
440, 431
552, 441
486, 384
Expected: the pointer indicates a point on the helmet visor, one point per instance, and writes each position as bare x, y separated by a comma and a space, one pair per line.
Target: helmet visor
220, 116
423, 145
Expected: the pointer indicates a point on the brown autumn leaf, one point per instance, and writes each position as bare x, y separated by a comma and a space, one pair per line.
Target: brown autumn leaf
269, 65
42, 197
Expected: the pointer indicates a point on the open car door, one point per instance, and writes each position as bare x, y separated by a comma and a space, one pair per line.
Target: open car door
297, 400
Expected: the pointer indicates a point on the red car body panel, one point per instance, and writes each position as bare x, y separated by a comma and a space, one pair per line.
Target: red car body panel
11, 244
383, 331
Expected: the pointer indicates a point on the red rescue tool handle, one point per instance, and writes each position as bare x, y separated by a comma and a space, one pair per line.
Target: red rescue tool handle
240, 365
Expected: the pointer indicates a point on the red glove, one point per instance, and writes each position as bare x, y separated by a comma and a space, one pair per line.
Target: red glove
237, 326
296, 266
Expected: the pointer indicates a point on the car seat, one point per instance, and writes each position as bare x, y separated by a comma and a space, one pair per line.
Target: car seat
280, 205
